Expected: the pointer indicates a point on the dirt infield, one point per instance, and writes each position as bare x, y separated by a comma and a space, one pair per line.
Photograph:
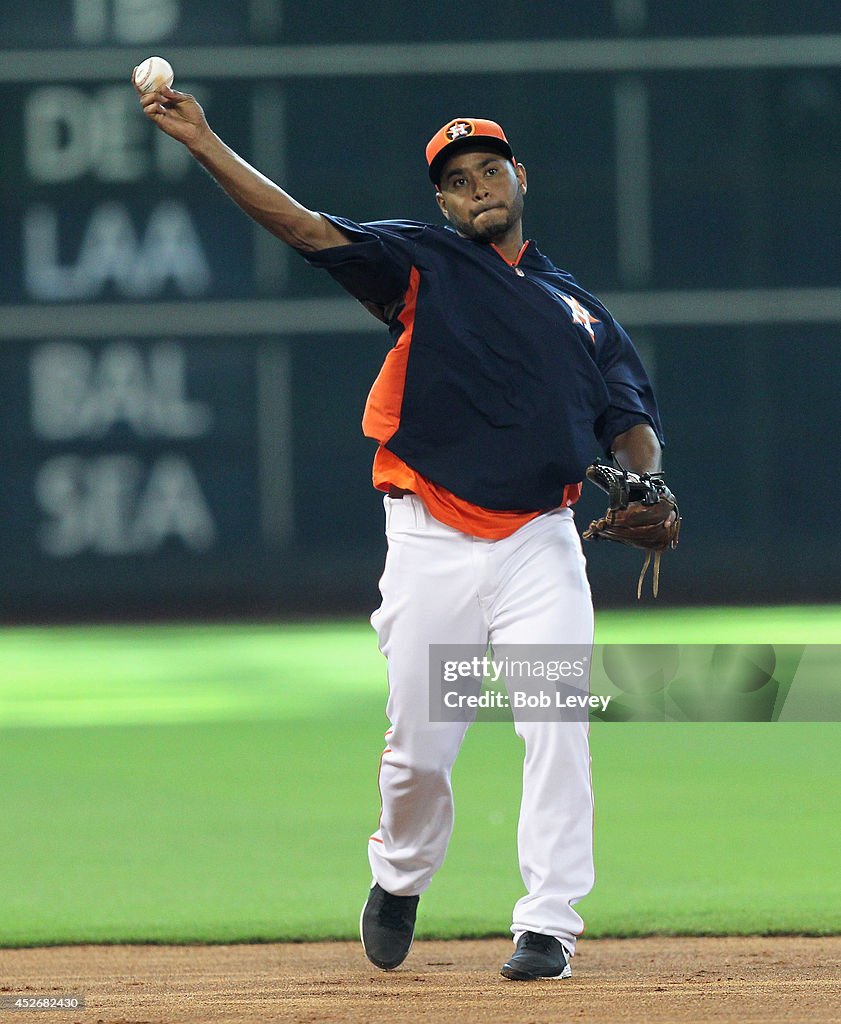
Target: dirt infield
741, 980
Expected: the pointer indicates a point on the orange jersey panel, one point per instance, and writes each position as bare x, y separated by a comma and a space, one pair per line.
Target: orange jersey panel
489, 524
385, 399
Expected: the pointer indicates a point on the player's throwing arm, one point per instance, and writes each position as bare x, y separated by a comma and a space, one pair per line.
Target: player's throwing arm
181, 117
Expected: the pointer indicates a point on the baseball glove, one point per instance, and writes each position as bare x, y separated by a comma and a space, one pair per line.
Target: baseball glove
642, 512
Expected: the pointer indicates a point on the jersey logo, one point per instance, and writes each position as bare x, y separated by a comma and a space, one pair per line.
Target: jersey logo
580, 315
458, 129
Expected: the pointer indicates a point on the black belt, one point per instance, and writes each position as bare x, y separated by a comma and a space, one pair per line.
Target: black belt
398, 492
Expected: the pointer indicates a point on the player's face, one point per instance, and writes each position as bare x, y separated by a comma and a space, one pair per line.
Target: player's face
481, 194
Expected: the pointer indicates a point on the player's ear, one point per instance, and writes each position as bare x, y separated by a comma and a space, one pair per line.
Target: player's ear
440, 199
520, 171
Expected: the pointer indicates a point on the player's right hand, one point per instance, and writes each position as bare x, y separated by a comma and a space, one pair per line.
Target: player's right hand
176, 113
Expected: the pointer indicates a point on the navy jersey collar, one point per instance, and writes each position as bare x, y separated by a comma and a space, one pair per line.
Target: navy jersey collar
516, 262
528, 249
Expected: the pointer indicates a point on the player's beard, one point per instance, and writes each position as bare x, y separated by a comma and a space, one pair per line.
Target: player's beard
496, 227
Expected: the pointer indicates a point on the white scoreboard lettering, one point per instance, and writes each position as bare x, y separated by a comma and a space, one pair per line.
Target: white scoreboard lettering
64, 141
138, 265
117, 503
77, 393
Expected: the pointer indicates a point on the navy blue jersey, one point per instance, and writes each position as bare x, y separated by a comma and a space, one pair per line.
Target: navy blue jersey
501, 374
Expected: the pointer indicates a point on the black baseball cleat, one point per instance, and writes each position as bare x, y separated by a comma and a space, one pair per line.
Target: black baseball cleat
537, 956
387, 927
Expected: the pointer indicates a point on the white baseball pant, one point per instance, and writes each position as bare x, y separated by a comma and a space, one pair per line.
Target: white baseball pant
442, 586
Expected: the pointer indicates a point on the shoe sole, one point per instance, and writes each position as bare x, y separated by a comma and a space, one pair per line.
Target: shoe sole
380, 967
512, 974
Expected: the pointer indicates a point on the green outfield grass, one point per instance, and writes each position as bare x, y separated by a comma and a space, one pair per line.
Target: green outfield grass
218, 784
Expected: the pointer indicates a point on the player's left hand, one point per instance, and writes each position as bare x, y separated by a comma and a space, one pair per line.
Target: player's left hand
642, 513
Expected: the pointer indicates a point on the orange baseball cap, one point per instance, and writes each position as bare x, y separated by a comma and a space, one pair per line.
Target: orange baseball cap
476, 132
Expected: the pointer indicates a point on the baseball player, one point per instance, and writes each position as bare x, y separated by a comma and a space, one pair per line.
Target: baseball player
503, 375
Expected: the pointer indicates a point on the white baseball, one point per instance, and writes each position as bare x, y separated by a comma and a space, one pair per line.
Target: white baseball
152, 74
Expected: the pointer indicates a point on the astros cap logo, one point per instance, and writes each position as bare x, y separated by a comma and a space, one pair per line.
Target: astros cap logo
459, 129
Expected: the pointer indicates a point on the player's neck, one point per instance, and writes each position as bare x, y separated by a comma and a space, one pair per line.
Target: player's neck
510, 244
